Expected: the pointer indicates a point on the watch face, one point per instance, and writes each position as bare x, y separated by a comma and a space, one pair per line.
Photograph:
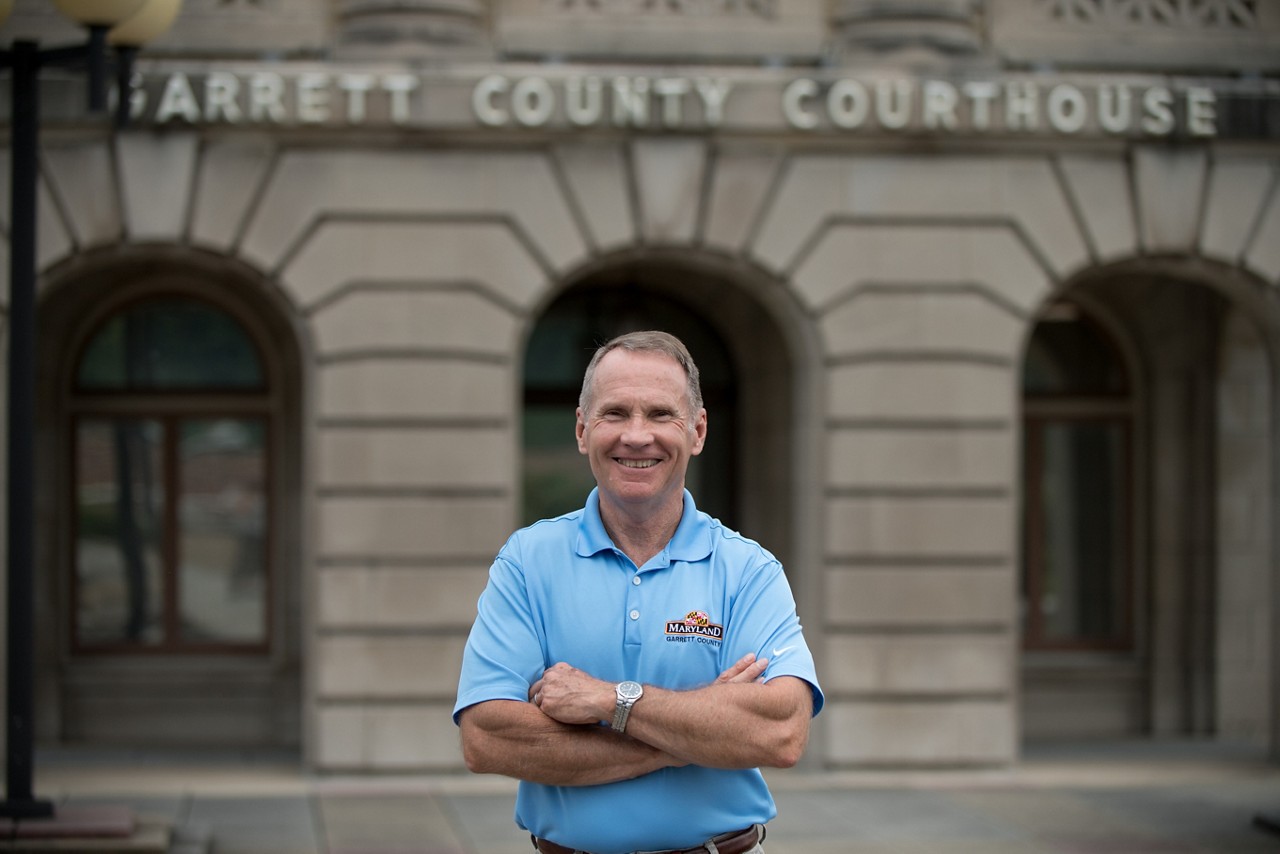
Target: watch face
629, 690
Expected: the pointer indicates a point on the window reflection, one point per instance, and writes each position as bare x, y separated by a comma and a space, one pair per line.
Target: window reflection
1081, 595
170, 343
222, 519
1077, 573
119, 501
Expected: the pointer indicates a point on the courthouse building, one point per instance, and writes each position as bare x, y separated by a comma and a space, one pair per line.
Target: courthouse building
984, 292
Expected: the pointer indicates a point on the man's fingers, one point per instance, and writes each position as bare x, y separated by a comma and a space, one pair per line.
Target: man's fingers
734, 669
745, 669
737, 668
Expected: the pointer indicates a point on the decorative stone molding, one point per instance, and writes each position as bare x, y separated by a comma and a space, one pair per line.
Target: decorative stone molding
748, 31
767, 9
411, 28
875, 29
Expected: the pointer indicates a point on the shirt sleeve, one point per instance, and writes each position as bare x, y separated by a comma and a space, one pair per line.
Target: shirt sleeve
503, 655
765, 622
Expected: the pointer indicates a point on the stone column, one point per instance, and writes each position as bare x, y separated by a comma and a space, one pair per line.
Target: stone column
409, 29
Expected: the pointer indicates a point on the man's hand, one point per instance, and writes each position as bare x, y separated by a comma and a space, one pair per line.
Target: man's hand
573, 696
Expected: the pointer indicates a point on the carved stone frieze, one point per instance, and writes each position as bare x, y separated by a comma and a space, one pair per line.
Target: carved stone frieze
1176, 35
1188, 14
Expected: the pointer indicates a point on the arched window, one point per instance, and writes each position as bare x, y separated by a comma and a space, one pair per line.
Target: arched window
1077, 578
172, 433
556, 477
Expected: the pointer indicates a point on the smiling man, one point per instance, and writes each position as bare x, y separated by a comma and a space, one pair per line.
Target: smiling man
634, 663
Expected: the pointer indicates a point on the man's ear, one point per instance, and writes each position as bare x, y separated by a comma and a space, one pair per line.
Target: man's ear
580, 430
699, 432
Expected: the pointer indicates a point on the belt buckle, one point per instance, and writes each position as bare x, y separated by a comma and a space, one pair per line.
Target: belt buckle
712, 845
756, 832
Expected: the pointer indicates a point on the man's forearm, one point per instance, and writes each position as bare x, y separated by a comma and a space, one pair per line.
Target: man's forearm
735, 722
727, 725
517, 740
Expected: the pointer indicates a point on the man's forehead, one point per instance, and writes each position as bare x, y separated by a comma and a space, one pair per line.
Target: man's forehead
660, 376
620, 356
643, 366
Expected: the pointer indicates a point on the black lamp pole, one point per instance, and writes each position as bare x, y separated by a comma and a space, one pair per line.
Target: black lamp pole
25, 61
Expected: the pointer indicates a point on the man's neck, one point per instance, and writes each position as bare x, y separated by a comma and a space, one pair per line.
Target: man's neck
641, 534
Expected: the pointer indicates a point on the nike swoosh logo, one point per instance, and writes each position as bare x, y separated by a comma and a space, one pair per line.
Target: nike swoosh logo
778, 652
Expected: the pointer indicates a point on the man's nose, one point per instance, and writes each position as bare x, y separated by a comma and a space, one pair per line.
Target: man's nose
638, 431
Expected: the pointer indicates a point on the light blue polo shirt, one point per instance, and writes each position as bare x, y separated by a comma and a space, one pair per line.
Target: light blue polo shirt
560, 591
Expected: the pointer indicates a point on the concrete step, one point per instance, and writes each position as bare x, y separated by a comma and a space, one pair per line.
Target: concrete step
90, 829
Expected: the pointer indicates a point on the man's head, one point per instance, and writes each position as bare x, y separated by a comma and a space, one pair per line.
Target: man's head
651, 341
640, 419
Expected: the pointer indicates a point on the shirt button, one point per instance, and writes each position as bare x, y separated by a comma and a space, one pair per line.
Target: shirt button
636, 581
635, 615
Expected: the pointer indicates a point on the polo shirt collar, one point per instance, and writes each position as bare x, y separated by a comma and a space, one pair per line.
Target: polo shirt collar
691, 542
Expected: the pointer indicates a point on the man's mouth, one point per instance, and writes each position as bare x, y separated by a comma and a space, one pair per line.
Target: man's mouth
636, 464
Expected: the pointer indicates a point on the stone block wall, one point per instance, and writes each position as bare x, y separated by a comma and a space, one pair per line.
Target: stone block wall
414, 272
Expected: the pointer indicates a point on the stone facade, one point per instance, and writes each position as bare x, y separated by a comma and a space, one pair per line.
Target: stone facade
887, 275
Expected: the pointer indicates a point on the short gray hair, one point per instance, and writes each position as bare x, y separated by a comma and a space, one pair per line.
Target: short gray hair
649, 341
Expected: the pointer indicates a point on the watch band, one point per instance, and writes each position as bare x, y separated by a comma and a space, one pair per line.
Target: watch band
620, 714
626, 693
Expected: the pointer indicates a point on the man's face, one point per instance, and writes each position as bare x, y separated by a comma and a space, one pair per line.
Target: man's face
639, 434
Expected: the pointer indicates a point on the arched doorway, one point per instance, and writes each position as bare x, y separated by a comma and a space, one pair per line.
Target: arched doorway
746, 474
1082, 675
171, 476
1197, 349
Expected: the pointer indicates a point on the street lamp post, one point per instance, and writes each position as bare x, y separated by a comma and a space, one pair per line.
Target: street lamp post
138, 20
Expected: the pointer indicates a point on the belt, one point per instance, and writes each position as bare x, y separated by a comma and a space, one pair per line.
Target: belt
733, 842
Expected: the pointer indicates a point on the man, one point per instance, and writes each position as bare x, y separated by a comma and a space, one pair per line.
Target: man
635, 662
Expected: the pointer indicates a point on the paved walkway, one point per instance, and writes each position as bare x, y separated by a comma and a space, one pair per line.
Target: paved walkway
1140, 798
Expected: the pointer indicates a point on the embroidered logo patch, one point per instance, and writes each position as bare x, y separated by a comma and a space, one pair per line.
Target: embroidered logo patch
696, 626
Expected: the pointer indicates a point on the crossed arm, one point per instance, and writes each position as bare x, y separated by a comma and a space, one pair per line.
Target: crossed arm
735, 722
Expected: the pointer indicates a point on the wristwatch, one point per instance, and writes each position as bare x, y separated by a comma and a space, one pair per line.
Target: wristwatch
627, 693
